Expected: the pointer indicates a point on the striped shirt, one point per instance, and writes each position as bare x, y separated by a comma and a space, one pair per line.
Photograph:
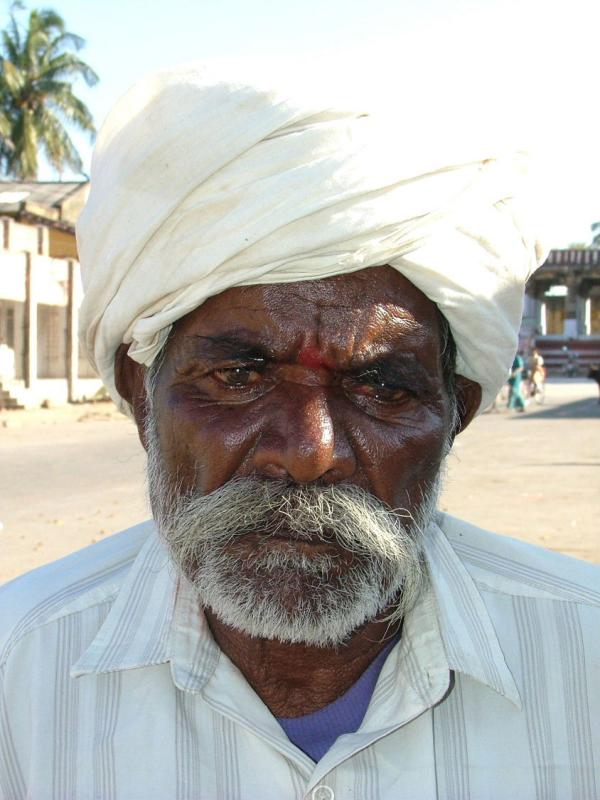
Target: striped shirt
111, 686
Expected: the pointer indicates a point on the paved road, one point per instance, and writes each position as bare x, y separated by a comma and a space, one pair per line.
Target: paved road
535, 476
65, 484
72, 476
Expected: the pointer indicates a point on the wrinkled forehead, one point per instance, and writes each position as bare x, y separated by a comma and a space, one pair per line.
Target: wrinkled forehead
372, 304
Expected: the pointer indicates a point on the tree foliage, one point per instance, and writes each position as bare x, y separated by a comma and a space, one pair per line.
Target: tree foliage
38, 66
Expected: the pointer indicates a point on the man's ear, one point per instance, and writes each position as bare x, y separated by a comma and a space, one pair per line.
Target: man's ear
468, 400
129, 380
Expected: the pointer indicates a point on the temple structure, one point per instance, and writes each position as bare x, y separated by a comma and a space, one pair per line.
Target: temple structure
562, 311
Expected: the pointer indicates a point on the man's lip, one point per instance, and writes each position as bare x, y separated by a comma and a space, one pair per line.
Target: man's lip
289, 537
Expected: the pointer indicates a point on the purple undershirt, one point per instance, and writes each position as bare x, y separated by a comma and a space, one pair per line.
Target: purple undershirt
315, 733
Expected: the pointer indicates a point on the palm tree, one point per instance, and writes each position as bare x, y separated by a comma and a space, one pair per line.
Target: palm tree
37, 69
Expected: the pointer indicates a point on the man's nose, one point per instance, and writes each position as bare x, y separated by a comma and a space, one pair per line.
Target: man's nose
301, 442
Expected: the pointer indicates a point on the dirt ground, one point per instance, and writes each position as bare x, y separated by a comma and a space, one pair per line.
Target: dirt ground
70, 476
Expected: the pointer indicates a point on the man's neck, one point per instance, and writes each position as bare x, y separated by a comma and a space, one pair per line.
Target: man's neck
297, 679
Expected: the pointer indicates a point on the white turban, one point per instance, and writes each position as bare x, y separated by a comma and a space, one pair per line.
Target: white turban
200, 184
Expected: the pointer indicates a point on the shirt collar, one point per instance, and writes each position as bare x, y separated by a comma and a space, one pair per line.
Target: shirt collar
136, 630
156, 619
470, 642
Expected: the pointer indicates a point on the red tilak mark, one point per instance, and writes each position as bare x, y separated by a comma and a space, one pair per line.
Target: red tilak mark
311, 357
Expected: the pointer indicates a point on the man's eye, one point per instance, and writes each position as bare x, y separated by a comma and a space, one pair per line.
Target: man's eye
237, 377
382, 391
375, 386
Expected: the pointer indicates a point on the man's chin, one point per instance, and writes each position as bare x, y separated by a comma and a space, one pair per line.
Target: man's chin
292, 619
315, 601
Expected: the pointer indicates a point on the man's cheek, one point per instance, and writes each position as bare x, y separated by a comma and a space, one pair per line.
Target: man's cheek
214, 445
397, 460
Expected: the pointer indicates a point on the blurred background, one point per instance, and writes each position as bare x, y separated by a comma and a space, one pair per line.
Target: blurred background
71, 469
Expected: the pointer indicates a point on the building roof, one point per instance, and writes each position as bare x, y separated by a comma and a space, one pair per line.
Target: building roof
573, 256
57, 203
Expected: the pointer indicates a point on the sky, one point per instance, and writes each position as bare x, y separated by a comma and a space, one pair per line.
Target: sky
528, 70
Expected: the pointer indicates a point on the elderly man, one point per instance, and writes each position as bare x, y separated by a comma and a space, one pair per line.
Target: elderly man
300, 316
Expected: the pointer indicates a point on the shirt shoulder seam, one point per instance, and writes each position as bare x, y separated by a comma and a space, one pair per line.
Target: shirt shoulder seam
14, 638
11, 643
551, 595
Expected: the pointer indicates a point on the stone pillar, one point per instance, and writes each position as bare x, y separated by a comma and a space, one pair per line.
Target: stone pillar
582, 308
6, 226
532, 312
72, 341
43, 240
543, 319
535, 307
571, 307
30, 324
588, 316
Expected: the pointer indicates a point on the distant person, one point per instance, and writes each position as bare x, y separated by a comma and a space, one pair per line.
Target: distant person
570, 367
594, 374
515, 384
537, 374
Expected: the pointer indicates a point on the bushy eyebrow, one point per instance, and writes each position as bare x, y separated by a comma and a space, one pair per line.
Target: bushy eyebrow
395, 366
391, 365
229, 347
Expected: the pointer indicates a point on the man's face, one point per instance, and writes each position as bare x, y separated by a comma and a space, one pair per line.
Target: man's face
337, 380
286, 422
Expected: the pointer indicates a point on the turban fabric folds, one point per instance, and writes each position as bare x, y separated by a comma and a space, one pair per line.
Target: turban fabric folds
199, 184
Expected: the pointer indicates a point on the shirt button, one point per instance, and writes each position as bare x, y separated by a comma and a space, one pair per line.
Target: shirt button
322, 793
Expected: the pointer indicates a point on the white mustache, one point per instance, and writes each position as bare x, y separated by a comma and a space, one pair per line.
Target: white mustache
345, 514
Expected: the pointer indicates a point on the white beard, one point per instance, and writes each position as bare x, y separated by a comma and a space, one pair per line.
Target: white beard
362, 557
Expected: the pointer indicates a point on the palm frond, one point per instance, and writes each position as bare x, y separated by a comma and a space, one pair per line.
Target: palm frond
5, 130
57, 144
67, 40
12, 77
22, 162
60, 96
10, 45
13, 33
47, 18
68, 65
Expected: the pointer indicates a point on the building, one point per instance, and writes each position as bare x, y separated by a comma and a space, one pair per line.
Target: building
562, 310
40, 294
